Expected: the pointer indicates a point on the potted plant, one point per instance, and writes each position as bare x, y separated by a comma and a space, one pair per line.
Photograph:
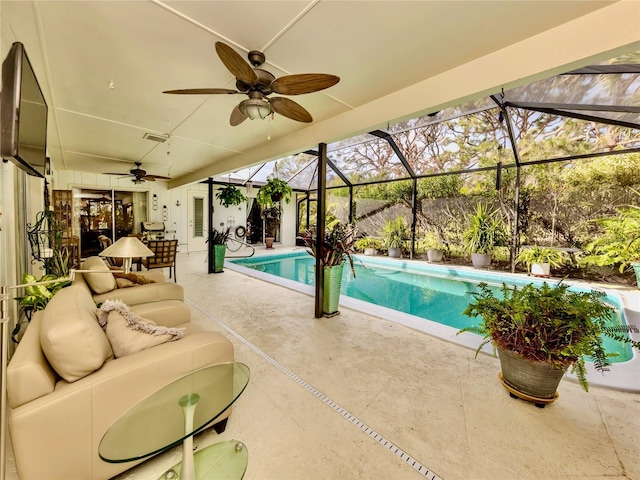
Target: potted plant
338, 246
540, 331
271, 217
540, 260
230, 195
268, 197
369, 245
434, 246
37, 296
219, 241
274, 191
395, 234
485, 232
620, 244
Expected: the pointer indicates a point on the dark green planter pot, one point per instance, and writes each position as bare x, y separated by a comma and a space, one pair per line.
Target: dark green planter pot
636, 268
219, 252
534, 379
332, 286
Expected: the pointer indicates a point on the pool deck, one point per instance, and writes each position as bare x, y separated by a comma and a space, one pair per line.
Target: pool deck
351, 397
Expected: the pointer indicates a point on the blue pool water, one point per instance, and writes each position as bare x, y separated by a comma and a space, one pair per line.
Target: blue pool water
435, 293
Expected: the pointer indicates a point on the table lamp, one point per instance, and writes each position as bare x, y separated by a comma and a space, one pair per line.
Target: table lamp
127, 248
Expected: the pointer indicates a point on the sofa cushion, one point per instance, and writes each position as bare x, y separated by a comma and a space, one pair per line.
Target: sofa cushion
99, 282
70, 335
129, 333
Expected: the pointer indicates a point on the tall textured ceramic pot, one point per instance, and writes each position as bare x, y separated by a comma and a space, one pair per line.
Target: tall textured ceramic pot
636, 268
540, 269
434, 255
481, 260
332, 286
395, 252
535, 379
219, 252
268, 241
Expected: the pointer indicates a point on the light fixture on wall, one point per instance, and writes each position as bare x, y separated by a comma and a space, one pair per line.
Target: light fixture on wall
255, 108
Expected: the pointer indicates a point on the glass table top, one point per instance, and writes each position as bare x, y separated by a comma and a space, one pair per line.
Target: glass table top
157, 422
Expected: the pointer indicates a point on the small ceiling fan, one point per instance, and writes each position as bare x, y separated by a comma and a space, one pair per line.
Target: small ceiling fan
258, 84
140, 175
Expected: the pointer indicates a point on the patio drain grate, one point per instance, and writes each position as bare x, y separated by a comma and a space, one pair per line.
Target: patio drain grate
416, 465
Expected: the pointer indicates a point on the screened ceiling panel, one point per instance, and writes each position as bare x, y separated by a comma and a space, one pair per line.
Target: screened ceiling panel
374, 159
591, 110
614, 96
443, 115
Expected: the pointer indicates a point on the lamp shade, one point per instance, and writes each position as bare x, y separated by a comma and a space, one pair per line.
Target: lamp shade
127, 247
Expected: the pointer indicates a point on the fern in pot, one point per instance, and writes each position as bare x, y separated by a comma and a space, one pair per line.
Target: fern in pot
541, 331
230, 195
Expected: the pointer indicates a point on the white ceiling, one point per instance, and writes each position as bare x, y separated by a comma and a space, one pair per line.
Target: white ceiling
396, 60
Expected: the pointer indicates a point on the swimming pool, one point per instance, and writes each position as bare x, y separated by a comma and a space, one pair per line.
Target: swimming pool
423, 296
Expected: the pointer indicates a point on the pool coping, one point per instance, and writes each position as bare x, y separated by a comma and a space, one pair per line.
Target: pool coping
623, 376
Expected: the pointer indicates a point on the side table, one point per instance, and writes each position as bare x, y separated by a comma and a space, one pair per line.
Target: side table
174, 414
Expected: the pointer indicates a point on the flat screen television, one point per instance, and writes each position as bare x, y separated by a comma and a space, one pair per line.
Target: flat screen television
23, 113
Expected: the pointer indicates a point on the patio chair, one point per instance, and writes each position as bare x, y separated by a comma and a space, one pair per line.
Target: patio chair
165, 256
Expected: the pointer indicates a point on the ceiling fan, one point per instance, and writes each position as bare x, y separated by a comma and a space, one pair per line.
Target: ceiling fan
258, 84
140, 175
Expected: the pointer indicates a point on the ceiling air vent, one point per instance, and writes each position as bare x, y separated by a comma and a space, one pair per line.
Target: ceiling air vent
156, 138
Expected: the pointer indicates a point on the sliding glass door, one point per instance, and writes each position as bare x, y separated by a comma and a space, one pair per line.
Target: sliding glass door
112, 213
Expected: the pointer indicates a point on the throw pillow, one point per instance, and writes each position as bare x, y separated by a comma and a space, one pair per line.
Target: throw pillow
133, 278
129, 333
70, 337
99, 282
124, 283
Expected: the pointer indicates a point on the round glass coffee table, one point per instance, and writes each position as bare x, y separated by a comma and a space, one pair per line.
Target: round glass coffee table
176, 412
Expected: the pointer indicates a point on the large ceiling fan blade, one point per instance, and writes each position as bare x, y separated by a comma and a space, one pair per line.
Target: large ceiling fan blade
237, 117
303, 83
111, 173
202, 91
236, 64
153, 178
290, 109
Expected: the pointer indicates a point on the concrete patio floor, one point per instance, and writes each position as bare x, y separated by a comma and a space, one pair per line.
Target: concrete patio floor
326, 395
359, 397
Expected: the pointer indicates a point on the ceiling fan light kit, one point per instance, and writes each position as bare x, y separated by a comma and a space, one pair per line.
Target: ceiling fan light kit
258, 83
254, 108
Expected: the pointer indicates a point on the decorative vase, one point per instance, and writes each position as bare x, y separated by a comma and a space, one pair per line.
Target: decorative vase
434, 255
540, 269
268, 241
538, 380
332, 286
481, 260
219, 252
370, 251
395, 252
